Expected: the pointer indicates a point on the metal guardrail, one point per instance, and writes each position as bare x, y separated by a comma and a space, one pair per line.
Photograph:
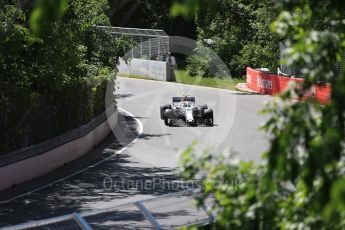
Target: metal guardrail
169, 211
34, 150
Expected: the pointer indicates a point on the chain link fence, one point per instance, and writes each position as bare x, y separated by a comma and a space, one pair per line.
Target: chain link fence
150, 44
169, 211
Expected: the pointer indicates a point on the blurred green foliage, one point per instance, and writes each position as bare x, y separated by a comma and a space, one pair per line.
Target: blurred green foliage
53, 75
301, 182
46, 12
186, 8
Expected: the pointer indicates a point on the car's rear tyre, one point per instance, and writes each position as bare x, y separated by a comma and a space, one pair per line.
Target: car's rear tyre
209, 121
208, 116
162, 110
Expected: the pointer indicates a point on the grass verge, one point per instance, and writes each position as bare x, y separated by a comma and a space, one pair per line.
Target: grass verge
183, 77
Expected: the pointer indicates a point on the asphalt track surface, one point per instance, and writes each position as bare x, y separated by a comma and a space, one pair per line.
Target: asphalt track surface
116, 172
235, 130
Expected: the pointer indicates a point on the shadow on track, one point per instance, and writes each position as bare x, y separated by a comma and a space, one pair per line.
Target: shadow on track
147, 136
117, 96
118, 177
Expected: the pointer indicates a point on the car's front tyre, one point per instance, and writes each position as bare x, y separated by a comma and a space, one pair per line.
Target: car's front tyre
168, 122
162, 110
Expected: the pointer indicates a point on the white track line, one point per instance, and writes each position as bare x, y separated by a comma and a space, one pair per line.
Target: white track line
140, 132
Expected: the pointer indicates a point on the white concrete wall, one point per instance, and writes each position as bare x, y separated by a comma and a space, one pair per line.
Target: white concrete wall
36, 166
158, 70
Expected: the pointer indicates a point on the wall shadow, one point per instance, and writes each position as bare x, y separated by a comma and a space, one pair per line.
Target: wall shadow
117, 177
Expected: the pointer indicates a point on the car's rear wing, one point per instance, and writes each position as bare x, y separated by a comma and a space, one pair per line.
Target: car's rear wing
179, 99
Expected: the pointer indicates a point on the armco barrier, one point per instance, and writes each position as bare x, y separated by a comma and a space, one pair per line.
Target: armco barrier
19, 166
266, 83
170, 211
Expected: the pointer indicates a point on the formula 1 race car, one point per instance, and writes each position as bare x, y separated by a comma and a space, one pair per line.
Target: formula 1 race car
184, 109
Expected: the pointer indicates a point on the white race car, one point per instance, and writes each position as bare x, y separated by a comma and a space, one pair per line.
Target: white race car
184, 109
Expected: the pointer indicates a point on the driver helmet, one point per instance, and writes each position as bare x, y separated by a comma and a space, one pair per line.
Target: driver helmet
185, 100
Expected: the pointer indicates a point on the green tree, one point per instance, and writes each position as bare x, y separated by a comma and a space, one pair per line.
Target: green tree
301, 184
153, 14
54, 73
240, 34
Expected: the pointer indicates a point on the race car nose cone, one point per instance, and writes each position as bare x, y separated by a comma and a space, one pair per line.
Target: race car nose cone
189, 115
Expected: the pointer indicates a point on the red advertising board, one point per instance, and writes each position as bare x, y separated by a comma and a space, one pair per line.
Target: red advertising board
266, 83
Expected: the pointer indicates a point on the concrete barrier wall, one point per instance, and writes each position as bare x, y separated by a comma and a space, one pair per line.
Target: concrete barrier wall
158, 70
33, 167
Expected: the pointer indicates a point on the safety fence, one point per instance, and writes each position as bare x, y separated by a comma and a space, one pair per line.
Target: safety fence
267, 83
150, 44
169, 211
